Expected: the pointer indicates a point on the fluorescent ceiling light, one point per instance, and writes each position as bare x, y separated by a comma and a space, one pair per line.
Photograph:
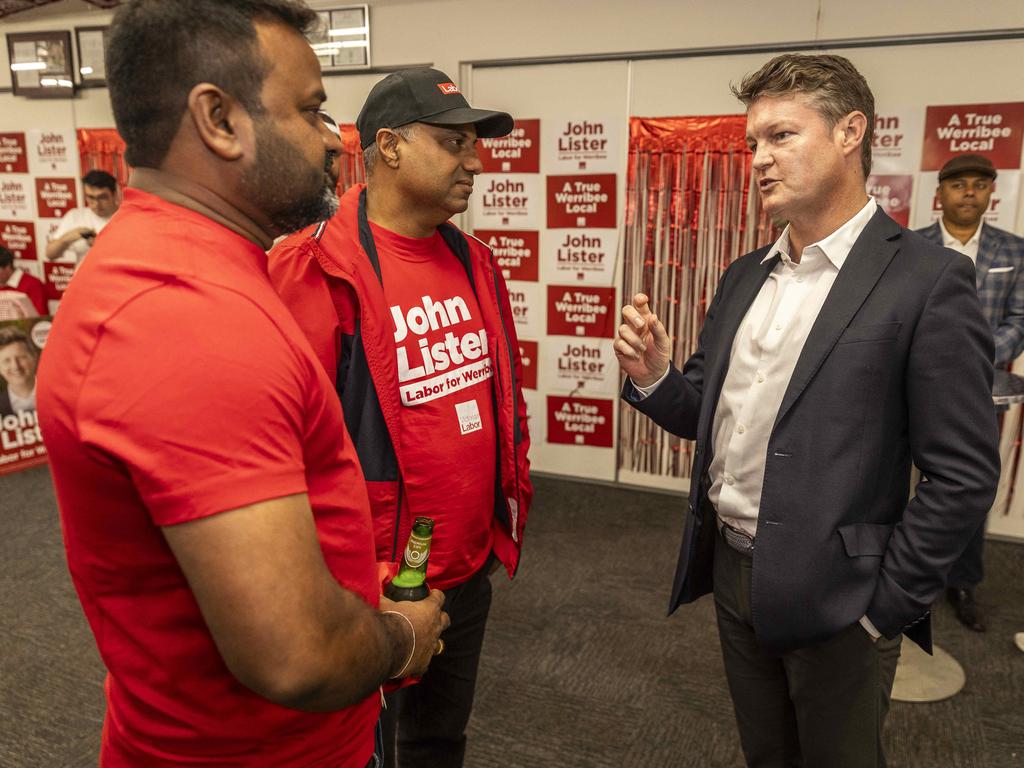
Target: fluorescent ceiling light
28, 66
347, 31
48, 81
65, 84
86, 70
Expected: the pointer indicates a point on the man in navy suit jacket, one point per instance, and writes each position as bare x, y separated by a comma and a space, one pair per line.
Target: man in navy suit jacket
827, 363
965, 188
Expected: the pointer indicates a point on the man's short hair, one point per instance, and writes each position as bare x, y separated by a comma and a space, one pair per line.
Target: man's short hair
100, 180
835, 86
6, 258
158, 51
14, 335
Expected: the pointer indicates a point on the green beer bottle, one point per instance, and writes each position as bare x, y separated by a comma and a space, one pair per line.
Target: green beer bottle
411, 581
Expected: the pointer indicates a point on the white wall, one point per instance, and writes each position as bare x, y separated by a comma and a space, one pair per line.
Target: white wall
447, 32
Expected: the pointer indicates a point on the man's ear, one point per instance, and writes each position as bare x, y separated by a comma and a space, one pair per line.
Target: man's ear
223, 125
854, 127
387, 147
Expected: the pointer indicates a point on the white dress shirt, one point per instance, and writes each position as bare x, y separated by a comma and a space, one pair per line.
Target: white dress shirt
969, 249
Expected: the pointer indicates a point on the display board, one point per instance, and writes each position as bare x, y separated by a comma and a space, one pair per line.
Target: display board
926, 112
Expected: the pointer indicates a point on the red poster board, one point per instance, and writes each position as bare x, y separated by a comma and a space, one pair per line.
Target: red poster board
580, 421
581, 201
992, 130
515, 251
519, 152
575, 310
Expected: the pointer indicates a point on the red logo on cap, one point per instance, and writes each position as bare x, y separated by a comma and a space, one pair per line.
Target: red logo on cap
448, 88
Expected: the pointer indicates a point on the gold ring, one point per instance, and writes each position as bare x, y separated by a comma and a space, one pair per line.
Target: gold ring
440, 647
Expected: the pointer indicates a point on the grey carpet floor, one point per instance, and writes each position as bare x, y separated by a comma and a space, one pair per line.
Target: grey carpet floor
581, 667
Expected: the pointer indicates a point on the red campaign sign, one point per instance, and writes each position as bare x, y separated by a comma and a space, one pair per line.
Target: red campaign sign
13, 158
581, 201
55, 197
580, 421
581, 311
992, 130
58, 275
519, 152
528, 359
893, 194
20, 237
515, 252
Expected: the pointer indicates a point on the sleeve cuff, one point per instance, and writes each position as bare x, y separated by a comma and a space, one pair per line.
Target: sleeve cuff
646, 392
869, 627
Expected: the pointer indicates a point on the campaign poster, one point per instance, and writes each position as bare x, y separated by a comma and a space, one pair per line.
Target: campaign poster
581, 202
19, 237
579, 256
577, 310
519, 152
586, 366
527, 309
507, 201
58, 276
896, 141
1002, 206
55, 197
21, 443
528, 361
894, 194
53, 153
13, 154
515, 252
992, 130
591, 144
580, 421
16, 197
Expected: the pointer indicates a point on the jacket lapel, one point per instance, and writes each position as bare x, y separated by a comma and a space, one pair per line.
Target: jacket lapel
868, 259
988, 247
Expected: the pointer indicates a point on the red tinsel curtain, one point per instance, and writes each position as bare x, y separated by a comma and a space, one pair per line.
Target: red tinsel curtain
102, 149
691, 209
352, 171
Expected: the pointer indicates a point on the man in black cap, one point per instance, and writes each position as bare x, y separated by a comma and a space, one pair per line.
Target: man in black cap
412, 320
965, 189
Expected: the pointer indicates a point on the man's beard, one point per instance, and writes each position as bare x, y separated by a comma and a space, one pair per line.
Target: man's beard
284, 187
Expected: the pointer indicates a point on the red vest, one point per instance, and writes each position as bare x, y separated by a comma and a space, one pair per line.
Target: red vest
329, 276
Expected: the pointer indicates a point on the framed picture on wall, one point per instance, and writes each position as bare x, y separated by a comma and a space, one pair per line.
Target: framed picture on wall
41, 64
92, 49
342, 39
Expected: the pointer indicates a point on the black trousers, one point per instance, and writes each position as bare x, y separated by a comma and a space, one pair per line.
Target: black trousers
429, 719
818, 707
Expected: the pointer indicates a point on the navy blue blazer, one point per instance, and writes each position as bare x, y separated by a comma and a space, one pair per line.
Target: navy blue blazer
896, 368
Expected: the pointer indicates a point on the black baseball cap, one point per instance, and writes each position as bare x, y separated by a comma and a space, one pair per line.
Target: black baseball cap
424, 96
968, 164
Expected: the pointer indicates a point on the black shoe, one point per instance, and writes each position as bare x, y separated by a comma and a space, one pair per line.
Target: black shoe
966, 609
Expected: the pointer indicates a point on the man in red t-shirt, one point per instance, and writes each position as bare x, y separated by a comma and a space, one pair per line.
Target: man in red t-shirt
215, 517
18, 281
412, 319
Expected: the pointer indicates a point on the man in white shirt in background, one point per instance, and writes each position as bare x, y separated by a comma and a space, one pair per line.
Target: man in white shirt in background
966, 184
828, 361
79, 227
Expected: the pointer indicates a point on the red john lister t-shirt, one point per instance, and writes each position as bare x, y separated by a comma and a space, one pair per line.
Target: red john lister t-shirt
176, 385
445, 367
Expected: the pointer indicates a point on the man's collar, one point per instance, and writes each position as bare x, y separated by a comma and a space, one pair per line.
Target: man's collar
836, 246
949, 240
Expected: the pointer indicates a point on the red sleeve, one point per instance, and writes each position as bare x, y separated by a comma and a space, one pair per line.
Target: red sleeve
34, 289
209, 419
301, 284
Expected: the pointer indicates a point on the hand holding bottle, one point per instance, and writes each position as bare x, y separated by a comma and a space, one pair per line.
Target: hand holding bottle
426, 621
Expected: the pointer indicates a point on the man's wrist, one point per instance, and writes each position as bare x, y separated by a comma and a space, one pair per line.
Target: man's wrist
402, 642
646, 390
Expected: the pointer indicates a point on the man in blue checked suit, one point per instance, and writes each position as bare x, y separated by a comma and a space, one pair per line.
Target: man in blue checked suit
965, 187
